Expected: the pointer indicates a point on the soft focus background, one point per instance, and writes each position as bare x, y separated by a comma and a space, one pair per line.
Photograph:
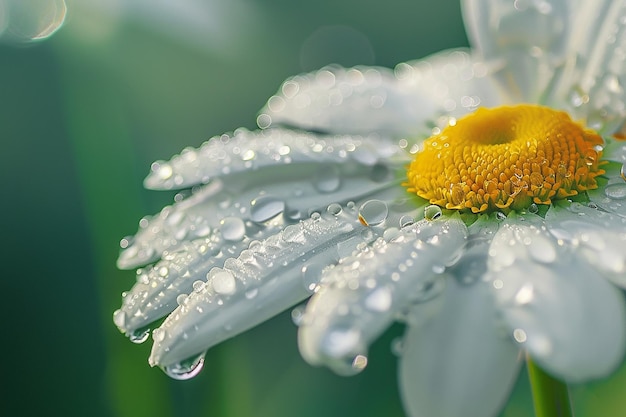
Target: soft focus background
84, 113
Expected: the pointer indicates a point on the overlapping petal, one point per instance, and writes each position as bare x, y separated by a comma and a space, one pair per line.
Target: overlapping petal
262, 281
361, 296
295, 173
458, 363
409, 101
558, 307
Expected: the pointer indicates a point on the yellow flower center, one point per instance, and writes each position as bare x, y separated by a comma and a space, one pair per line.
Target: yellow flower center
506, 158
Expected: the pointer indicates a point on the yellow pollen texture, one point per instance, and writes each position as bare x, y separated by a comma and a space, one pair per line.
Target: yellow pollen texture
506, 158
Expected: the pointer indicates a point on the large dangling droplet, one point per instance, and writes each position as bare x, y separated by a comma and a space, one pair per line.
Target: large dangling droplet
186, 369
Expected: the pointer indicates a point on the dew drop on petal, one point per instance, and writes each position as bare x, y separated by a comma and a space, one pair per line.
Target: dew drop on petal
622, 172
223, 282
232, 228
334, 209
327, 179
297, 315
180, 299
616, 191
265, 207
406, 221
139, 335
373, 212
186, 369
163, 170
519, 335
432, 212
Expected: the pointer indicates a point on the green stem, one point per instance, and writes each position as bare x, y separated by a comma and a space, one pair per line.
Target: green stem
550, 396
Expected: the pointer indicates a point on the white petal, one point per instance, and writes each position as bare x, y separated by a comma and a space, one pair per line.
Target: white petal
361, 296
598, 236
458, 363
155, 293
249, 202
279, 150
261, 282
592, 82
521, 41
571, 321
359, 100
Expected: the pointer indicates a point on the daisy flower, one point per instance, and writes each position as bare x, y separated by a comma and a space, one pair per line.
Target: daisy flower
477, 195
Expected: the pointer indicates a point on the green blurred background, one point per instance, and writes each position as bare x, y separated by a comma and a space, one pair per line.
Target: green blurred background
82, 116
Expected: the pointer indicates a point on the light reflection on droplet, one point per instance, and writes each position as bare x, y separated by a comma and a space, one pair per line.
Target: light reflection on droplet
186, 369
265, 207
373, 212
432, 212
30, 20
232, 228
519, 335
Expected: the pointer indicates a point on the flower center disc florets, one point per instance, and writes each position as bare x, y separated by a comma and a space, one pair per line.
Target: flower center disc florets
506, 158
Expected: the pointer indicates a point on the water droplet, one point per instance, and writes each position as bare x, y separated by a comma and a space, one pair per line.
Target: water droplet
533, 208
232, 228
139, 335
373, 212
616, 191
519, 335
591, 156
186, 369
379, 300
622, 172
265, 207
297, 315
406, 221
180, 299
126, 242
334, 209
359, 363
163, 170
327, 179
223, 282
432, 212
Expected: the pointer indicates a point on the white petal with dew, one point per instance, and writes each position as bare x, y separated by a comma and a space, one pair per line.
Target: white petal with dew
155, 293
248, 202
279, 150
361, 296
596, 235
521, 42
591, 84
262, 281
558, 307
362, 99
458, 363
